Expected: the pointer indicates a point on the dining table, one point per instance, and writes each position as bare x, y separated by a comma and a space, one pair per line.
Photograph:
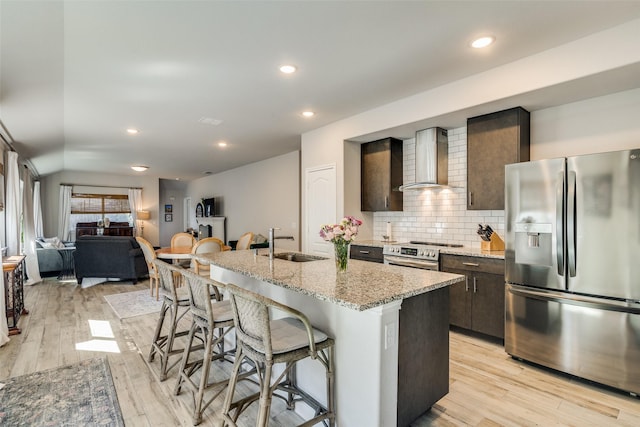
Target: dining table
176, 253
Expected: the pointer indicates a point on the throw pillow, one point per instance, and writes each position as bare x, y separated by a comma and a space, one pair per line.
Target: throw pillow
54, 242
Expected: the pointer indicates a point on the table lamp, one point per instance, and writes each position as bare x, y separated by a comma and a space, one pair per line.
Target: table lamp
142, 216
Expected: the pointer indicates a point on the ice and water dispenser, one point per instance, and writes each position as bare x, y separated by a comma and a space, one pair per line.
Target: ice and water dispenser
534, 243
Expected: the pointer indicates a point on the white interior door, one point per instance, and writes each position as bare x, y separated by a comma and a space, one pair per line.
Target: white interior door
186, 216
320, 206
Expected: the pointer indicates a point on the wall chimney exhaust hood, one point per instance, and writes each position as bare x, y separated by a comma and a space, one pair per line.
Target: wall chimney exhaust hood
432, 160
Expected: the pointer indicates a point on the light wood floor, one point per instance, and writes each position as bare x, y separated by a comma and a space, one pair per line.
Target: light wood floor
488, 388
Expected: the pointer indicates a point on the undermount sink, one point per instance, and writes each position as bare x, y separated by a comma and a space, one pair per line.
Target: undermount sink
296, 257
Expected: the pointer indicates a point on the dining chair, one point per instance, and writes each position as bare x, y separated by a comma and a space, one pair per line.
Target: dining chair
149, 257
175, 304
266, 342
211, 321
183, 240
244, 242
204, 246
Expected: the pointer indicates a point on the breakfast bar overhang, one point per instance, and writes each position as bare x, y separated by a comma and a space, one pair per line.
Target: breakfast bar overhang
390, 324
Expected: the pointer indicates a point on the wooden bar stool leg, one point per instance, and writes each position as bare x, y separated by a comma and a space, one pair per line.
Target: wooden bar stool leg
231, 388
331, 386
185, 359
265, 396
158, 341
168, 345
290, 382
204, 377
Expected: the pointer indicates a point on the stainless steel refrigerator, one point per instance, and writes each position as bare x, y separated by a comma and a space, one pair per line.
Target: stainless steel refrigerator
572, 228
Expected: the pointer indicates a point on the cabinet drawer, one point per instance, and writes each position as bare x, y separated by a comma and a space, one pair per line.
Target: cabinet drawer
471, 263
367, 253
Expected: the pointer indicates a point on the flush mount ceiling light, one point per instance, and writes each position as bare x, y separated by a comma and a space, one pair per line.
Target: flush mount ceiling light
222, 144
139, 168
209, 121
132, 131
308, 113
288, 69
481, 42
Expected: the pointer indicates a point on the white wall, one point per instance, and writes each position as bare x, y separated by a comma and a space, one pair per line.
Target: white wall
171, 192
256, 197
606, 123
566, 124
50, 192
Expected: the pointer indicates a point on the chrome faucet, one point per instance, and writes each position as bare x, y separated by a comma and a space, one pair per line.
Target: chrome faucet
271, 243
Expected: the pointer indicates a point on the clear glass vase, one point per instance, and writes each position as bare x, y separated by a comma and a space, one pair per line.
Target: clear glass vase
342, 256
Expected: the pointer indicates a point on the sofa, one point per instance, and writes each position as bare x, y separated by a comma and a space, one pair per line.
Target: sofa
112, 257
49, 258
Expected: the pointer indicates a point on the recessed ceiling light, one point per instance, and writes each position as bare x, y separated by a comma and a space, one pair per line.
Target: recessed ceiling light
222, 144
132, 131
308, 113
139, 168
288, 69
481, 42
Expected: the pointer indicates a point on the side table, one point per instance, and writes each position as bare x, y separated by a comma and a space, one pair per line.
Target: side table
13, 269
68, 267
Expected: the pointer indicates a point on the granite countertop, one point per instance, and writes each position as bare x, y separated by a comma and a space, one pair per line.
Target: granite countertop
467, 251
365, 285
375, 243
472, 252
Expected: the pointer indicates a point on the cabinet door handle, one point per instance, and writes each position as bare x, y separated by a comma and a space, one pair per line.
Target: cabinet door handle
470, 198
386, 201
364, 252
466, 283
471, 264
475, 285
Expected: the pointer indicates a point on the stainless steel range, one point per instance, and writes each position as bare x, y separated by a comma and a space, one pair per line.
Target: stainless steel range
424, 255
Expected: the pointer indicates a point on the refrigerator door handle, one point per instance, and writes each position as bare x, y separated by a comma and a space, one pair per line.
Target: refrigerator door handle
573, 299
571, 223
559, 223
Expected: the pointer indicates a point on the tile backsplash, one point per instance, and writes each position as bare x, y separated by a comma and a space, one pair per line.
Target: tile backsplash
438, 215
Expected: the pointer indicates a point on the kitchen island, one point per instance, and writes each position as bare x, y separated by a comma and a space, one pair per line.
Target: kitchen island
391, 326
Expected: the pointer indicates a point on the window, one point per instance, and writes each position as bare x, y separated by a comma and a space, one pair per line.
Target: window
97, 207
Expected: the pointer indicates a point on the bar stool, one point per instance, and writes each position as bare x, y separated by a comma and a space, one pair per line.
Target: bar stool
175, 304
207, 318
149, 256
267, 342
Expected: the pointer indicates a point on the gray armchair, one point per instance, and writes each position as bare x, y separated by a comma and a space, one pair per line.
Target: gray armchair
49, 258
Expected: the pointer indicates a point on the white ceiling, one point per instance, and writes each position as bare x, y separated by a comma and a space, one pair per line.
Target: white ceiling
76, 74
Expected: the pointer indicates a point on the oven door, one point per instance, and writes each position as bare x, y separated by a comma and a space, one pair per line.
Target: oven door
409, 262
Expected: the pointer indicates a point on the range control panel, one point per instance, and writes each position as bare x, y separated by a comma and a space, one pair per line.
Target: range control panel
412, 251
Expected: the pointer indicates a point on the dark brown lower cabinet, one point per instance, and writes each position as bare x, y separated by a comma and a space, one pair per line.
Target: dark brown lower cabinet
477, 303
367, 253
423, 354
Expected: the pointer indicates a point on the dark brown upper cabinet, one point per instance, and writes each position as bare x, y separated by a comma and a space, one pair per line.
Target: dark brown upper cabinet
493, 141
381, 175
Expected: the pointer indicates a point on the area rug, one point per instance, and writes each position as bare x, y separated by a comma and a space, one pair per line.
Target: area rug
82, 394
130, 304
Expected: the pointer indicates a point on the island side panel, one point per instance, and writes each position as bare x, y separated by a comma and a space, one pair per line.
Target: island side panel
366, 366
423, 354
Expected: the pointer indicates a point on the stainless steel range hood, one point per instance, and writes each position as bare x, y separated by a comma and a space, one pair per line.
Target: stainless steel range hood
432, 160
